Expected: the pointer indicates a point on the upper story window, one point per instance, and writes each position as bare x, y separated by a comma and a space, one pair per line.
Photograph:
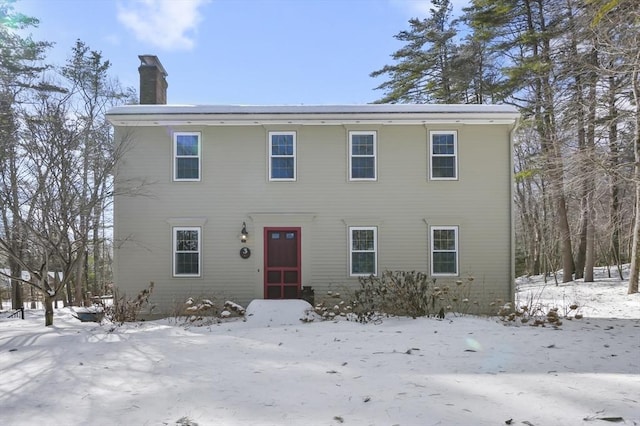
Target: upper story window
186, 251
444, 250
282, 155
443, 154
363, 251
362, 155
186, 153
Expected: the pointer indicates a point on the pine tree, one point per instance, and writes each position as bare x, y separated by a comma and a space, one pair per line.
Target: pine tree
422, 71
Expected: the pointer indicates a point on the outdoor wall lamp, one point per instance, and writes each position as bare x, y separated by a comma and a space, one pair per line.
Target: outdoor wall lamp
244, 234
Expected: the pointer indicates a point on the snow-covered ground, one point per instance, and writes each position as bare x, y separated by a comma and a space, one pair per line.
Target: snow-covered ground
276, 370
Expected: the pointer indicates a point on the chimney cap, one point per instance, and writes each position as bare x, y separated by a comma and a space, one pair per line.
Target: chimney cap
152, 60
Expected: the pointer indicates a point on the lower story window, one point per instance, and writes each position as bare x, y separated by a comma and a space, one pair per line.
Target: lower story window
363, 251
186, 251
444, 250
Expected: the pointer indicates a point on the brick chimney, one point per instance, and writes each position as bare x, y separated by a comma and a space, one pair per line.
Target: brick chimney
153, 84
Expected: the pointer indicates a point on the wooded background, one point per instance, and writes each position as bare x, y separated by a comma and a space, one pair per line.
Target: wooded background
571, 67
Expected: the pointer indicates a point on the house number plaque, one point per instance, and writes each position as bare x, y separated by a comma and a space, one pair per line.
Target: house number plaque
245, 252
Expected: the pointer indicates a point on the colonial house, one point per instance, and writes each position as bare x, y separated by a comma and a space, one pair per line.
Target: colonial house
249, 202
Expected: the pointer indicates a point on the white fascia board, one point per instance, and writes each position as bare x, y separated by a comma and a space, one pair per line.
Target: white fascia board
164, 115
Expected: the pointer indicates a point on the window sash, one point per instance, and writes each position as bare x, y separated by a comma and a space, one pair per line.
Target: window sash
186, 251
444, 251
282, 156
187, 155
443, 155
362, 156
363, 251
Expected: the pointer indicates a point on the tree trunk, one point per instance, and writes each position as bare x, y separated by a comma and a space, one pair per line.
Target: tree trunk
581, 255
32, 296
635, 247
544, 111
565, 239
16, 289
591, 247
634, 272
79, 282
48, 309
537, 267
614, 161
589, 179
579, 107
69, 298
97, 283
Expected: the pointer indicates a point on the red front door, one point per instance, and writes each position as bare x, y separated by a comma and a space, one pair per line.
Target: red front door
282, 263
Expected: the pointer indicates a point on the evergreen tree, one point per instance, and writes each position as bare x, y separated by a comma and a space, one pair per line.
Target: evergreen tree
422, 71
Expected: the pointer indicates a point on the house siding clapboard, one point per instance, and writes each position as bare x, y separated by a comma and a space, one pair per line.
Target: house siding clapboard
403, 203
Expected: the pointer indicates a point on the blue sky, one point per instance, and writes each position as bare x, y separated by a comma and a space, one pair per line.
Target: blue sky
237, 51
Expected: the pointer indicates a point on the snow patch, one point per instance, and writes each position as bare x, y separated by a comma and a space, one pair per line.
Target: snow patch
278, 312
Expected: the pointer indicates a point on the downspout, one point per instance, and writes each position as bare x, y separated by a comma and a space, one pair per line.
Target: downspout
512, 260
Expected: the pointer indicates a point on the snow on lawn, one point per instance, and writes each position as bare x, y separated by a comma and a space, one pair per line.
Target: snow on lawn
605, 298
276, 370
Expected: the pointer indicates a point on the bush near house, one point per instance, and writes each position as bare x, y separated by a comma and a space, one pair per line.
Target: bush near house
399, 293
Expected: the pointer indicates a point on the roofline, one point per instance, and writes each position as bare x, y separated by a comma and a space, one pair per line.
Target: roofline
220, 115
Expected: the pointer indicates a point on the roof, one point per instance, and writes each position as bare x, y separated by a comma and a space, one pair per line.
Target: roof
149, 115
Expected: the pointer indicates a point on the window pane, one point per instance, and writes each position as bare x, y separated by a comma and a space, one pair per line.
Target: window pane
444, 263
273, 277
290, 292
362, 144
362, 239
363, 263
274, 292
282, 168
443, 144
443, 167
282, 145
444, 239
187, 168
187, 263
187, 144
290, 277
187, 240
363, 168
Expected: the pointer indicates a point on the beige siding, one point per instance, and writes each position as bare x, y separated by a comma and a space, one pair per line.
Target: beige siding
403, 203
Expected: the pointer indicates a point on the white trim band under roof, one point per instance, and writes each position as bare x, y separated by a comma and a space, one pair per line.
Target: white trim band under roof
155, 115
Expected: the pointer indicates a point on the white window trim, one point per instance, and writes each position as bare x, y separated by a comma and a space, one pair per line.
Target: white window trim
456, 251
432, 155
175, 156
295, 160
174, 250
375, 249
375, 155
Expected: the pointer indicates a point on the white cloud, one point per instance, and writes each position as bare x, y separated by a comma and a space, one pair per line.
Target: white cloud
167, 24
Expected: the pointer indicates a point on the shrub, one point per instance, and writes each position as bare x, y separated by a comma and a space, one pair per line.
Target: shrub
398, 293
534, 312
203, 311
334, 305
124, 309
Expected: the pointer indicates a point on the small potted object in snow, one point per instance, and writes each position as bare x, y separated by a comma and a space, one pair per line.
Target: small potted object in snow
89, 314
